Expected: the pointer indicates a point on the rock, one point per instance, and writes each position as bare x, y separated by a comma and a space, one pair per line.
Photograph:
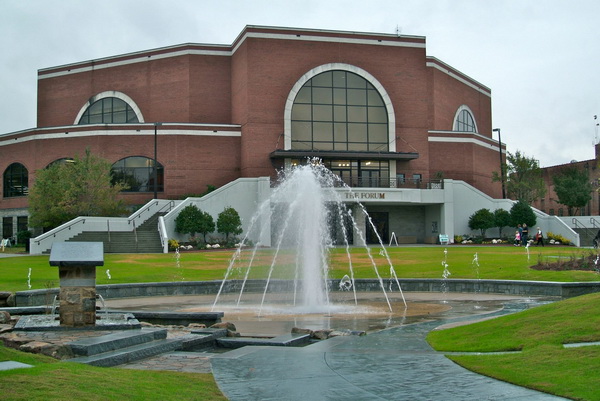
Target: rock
224, 325
233, 334
4, 298
35, 347
56, 351
196, 326
321, 334
298, 330
13, 340
338, 333
4, 317
11, 301
5, 328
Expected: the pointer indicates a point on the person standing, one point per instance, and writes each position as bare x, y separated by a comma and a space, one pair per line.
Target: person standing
524, 235
539, 237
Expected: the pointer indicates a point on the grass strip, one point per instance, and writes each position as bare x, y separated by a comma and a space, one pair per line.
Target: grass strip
494, 262
539, 333
50, 379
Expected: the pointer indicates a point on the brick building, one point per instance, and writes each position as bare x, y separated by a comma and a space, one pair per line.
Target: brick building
550, 205
376, 108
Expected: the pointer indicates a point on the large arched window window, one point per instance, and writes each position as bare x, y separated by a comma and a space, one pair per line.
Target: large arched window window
137, 174
339, 111
109, 110
16, 181
464, 121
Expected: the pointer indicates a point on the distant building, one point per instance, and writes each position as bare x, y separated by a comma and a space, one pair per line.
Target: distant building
549, 204
375, 108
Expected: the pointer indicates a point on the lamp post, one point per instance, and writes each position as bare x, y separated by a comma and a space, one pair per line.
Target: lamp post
155, 172
501, 163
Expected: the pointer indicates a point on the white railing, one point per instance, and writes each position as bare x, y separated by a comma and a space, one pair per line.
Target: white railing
79, 225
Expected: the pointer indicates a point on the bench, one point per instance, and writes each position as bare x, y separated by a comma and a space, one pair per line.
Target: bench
444, 239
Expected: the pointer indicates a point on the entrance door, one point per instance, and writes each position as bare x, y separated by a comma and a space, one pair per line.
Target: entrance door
381, 222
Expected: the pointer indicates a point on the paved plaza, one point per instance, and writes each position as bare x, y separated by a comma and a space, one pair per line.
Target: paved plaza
392, 364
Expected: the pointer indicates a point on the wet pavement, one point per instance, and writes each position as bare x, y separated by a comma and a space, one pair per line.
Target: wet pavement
395, 363
392, 364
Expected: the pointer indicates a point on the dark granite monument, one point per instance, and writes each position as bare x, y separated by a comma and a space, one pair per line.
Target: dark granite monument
77, 262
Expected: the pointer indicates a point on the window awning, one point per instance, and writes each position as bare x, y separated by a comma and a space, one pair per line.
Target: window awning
344, 155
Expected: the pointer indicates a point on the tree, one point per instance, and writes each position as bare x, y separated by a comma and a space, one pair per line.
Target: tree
573, 188
481, 220
521, 213
192, 220
229, 222
523, 178
501, 219
81, 187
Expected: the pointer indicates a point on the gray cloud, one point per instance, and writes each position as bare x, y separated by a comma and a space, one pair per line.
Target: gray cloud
539, 57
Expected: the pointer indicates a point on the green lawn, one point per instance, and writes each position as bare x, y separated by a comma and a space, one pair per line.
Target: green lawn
495, 262
543, 363
50, 379
538, 333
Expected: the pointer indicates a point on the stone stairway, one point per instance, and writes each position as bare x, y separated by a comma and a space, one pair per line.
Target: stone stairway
586, 236
145, 239
129, 346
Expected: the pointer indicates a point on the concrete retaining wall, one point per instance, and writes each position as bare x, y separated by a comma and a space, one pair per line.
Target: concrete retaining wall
508, 287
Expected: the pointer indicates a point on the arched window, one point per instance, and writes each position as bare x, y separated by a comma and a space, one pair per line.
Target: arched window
16, 181
339, 111
137, 174
464, 121
109, 110
61, 161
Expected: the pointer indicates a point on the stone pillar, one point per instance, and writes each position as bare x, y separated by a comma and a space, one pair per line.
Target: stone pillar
77, 263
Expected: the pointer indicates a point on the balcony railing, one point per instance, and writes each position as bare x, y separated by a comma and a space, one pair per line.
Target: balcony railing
393, 183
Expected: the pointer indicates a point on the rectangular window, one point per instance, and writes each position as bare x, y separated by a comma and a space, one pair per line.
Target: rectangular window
302, 131
377, 115
357, 97
323, 132
357, 133
301, 112
357, 114
322, 113
22, 223
339, 96
322, 96
7, 227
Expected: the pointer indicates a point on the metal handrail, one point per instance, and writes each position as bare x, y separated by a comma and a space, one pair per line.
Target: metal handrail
594, 222
108, 228
82, 221
587, 231
135, 233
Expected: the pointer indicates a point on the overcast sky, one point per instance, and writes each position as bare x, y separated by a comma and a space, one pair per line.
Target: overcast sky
540, 58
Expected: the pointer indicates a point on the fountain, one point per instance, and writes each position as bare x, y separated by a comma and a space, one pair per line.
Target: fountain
308, 218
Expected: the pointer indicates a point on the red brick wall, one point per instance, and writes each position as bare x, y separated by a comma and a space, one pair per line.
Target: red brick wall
250, 88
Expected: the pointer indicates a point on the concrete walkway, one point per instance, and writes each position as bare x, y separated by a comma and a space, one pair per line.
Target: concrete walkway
394, 364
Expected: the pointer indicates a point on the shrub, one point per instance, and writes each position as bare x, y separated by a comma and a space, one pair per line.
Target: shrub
23, 236
557, 237
173, 244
